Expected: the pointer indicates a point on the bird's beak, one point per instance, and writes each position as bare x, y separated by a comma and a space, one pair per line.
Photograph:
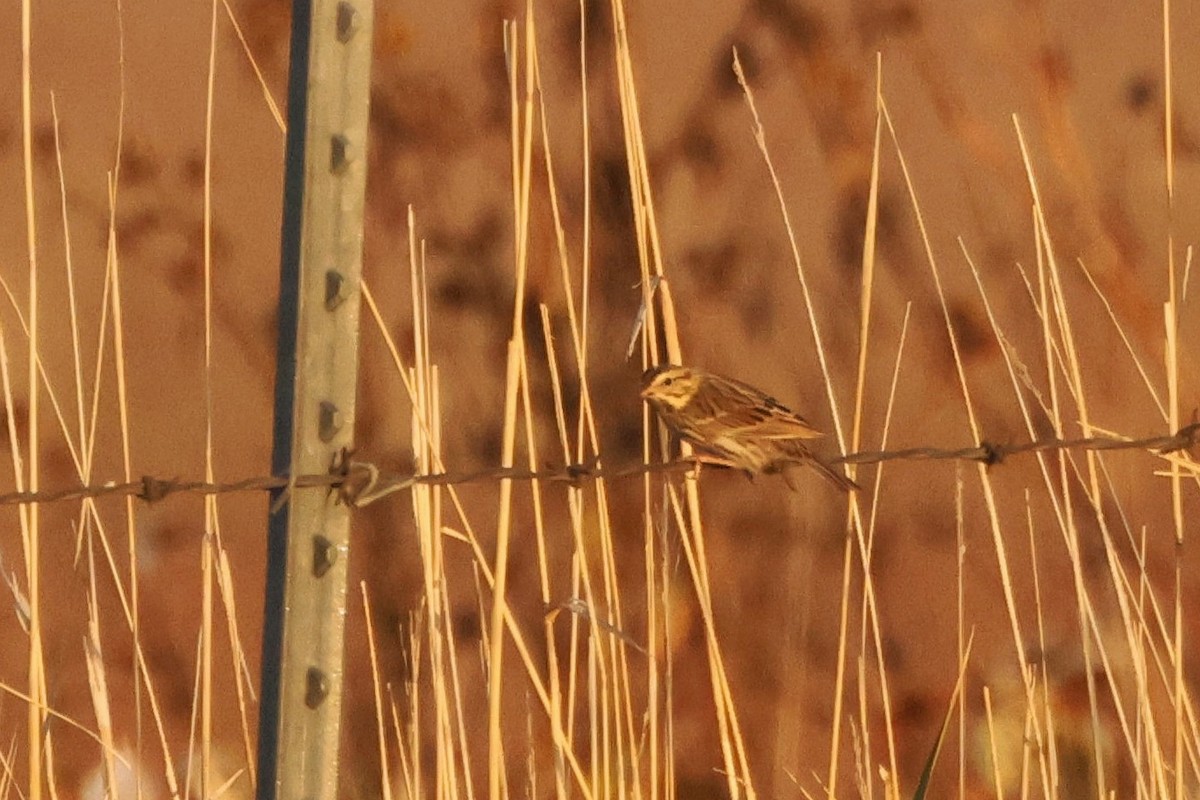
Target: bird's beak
644, 393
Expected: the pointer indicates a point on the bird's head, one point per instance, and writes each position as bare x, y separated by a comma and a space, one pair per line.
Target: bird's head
670, 384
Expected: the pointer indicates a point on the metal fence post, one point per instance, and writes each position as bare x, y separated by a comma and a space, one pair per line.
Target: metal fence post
317, 364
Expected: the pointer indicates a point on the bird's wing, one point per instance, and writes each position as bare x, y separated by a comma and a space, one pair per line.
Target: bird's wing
756, 413
790, 426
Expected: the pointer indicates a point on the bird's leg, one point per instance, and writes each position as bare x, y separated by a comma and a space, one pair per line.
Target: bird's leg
701, 459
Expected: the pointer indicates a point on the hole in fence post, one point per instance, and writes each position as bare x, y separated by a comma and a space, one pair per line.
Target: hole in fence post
347, 21
330, 421
335, 289
316, 687
339, 153
325, 555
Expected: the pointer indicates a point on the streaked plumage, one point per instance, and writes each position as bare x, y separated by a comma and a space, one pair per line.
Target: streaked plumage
732, 421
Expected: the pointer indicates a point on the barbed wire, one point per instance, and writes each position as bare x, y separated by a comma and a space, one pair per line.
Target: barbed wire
991, 454
359, 483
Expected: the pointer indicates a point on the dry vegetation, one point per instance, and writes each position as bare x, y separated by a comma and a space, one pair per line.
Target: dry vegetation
657, 636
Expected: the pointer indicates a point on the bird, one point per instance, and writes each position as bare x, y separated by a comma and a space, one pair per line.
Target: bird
734, 423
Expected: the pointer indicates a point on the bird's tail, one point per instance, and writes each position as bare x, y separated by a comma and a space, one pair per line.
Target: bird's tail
827, 472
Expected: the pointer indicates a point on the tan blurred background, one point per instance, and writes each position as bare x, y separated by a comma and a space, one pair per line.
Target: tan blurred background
1084, 78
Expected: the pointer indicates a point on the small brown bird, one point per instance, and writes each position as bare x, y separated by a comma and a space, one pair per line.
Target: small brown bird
732, 421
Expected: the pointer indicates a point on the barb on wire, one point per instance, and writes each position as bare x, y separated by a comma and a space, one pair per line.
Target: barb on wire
359, 483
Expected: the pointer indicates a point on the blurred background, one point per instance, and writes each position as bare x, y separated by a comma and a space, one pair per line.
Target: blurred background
1084, 80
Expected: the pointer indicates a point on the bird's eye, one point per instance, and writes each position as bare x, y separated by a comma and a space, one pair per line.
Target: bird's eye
668, 381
